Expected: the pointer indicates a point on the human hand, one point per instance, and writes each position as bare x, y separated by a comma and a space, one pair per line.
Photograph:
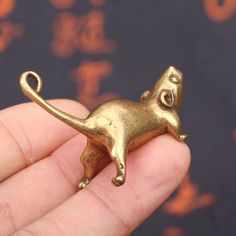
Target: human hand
40, 170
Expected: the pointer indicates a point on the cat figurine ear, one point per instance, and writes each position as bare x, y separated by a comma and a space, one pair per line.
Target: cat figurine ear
145, 96
167, 98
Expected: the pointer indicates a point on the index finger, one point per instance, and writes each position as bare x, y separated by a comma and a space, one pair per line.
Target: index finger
28, 134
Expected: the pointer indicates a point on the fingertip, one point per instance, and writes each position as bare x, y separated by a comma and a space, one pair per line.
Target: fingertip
178, 155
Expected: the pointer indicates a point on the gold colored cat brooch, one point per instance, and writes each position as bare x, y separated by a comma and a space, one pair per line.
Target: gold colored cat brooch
118, 126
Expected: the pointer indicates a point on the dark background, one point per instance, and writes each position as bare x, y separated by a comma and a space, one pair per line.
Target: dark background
198, 37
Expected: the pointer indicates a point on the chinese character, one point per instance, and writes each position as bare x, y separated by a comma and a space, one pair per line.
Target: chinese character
217, 11
83, 33
173, 231
6, 7
88, 76
8, 33
188, 199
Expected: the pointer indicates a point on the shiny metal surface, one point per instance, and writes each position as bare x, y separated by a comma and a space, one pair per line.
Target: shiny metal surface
117, 126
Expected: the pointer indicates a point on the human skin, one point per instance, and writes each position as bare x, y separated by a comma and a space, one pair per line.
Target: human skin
40, 168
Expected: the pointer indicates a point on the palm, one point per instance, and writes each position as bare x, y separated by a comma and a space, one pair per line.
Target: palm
40, 170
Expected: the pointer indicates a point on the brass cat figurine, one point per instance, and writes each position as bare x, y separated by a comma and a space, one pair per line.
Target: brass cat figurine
118, 126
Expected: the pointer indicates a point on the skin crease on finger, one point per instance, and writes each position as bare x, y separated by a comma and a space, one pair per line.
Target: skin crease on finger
45, 185
154, 171
31, 134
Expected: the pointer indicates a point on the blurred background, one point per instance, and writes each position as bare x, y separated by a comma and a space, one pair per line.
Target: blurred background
94, 50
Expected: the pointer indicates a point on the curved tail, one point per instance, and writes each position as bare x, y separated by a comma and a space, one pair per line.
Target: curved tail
76, 123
